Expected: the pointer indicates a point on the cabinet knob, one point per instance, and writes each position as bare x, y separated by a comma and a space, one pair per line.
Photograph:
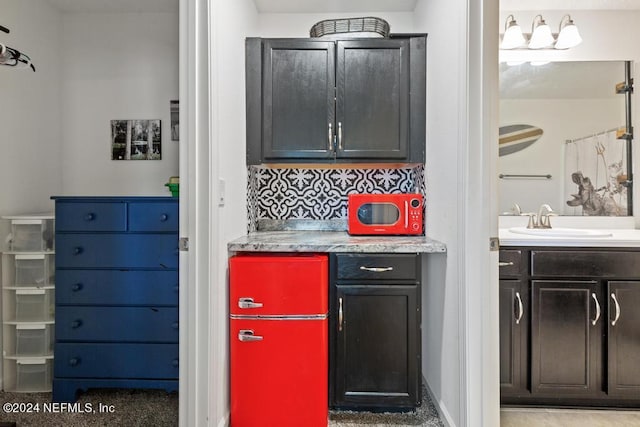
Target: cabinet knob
76, 323
76, 287
77, 250
90, 216
174, 363
175, 325
74, 361
164, 217
176, 288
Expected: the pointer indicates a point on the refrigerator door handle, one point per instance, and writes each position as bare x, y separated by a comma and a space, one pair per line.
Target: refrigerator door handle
246, 335
245, 302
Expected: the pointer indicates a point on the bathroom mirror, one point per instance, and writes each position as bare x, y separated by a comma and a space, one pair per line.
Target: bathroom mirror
559, 138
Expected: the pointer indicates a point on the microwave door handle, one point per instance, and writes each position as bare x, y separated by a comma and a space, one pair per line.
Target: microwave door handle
406, 215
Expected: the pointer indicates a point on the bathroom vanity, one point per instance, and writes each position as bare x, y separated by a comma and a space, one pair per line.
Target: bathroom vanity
569, 319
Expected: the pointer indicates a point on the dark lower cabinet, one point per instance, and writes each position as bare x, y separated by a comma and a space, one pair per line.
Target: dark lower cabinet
375, 331
579, 343
514, 323
624, 339
566, 338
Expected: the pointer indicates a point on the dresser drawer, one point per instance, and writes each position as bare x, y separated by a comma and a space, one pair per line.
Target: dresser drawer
117, 360
91, 216
117, 287
551, 263
116, 251
155, 216
378, 266
125, 324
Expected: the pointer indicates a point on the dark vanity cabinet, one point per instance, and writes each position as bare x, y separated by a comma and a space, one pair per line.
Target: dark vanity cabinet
514, 324
375, 330
582, 343
353, 100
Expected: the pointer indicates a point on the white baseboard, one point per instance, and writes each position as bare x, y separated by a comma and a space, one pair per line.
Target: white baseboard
445, 417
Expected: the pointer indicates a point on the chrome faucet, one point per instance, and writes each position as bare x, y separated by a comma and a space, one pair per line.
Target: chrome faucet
542, 219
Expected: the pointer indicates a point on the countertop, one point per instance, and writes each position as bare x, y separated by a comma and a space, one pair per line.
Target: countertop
332, 241
619, 238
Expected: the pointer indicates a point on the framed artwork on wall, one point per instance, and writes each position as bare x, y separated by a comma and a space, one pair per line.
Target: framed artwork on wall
175, 116
136, 140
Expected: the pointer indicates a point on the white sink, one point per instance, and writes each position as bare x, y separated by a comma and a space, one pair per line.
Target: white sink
561, 232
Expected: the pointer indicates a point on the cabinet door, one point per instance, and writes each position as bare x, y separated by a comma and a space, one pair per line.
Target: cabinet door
624, 339
514, 324
376, 346
372, 99
566, 338
298, 99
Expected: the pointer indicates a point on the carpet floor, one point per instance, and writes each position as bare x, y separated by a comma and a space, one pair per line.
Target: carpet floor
146, 408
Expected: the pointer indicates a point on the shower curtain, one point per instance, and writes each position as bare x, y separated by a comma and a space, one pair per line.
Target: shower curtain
595, 168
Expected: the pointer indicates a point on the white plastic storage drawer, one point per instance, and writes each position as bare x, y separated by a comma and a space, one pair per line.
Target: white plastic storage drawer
33, 270
29, 340
31, 235
34, 340
34, 305
33, 375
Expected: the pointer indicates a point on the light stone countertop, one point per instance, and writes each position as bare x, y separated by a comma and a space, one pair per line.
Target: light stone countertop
332, 241
617, 238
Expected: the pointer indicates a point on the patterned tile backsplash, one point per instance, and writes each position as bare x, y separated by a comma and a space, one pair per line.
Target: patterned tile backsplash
310, 194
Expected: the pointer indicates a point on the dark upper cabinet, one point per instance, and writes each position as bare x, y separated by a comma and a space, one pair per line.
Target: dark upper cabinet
351, 100
375, 330
298, 99
623, 339
566, 338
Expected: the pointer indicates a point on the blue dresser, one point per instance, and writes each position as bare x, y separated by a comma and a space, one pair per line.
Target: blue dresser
116, 294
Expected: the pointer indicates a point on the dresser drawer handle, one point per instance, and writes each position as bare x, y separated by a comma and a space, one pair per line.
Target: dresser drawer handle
175, 363
176, 288
77, 250
505, 264
164, 217
74, 361
175, 325
376, 269
77, 287
76, 324
90, 217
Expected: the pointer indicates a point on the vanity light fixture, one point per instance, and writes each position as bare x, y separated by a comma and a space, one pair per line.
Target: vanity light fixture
541, 36
513, 36
568, 35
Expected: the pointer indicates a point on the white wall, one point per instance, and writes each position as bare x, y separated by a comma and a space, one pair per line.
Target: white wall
30, 122
231, 22
556, 117
116, 66
444, 22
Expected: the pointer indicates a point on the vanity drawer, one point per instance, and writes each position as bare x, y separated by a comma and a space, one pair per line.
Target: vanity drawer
117, 360
378, 266
155, 216
116, 324
586, 263
511, 264
91, 216
117, 287
117, 251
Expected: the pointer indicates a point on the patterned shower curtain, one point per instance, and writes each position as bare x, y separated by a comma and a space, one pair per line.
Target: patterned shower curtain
595, 168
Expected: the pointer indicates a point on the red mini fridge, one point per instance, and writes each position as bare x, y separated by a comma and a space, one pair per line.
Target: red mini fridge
279, 340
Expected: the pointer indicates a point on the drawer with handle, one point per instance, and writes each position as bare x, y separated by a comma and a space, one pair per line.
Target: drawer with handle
116, 360
378, 266
510, 263
91, 216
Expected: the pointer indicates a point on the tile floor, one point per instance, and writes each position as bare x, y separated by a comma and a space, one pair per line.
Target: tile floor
534, 417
